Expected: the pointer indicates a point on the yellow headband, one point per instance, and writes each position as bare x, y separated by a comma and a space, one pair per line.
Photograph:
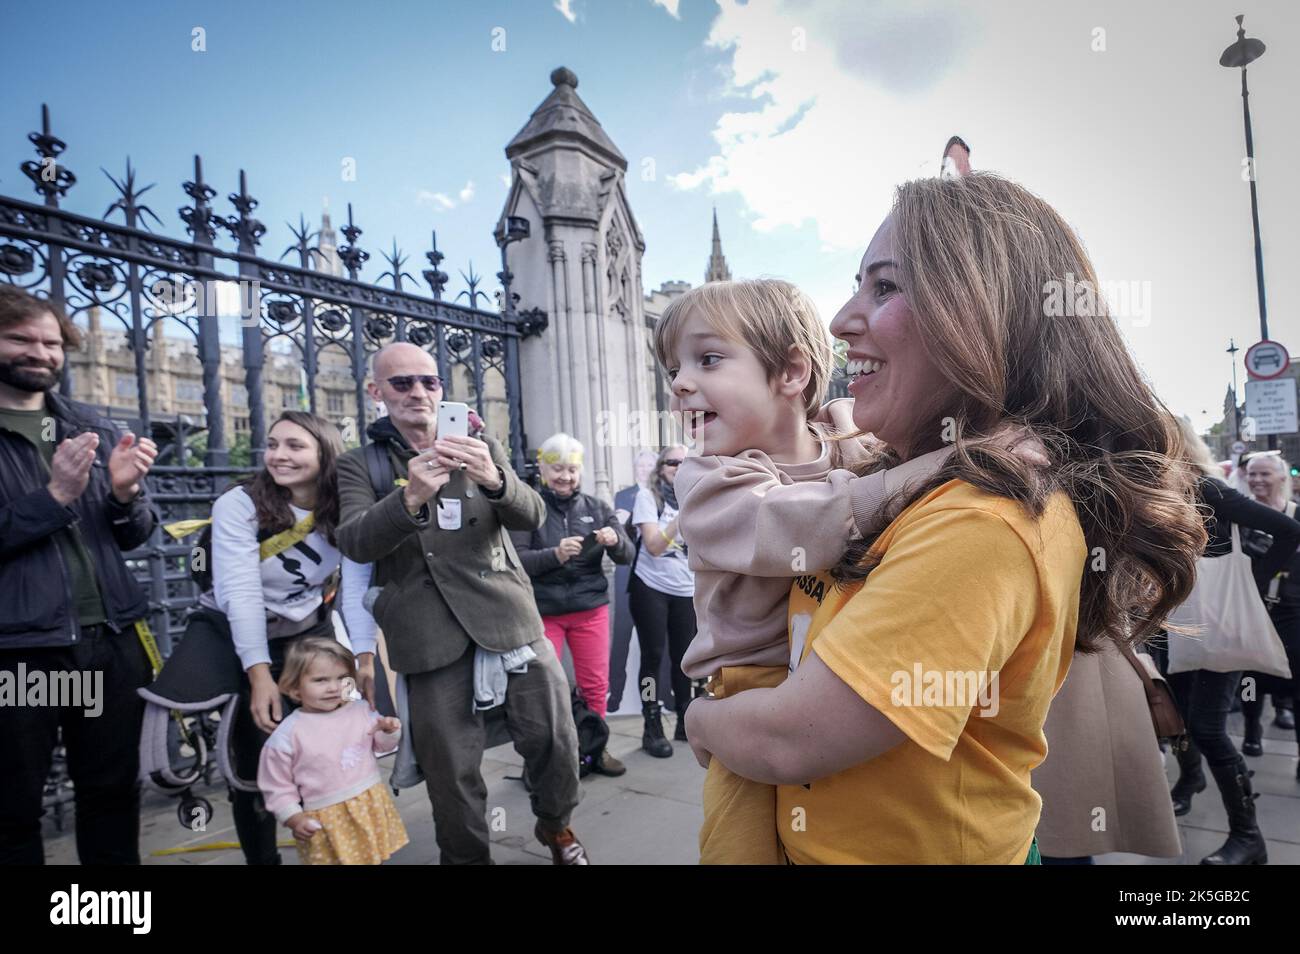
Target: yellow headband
555, 457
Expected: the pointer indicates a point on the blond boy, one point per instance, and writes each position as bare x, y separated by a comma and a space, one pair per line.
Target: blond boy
772, 495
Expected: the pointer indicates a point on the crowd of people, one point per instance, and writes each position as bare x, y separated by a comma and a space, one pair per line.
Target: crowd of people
810, 575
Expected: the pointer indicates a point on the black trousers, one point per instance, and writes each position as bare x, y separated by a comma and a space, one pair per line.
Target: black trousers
256, 826
1203, 699
662, 622
621, 643
620, 637
103, 749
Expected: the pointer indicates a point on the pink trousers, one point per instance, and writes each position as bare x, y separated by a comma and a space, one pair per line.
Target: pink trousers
587, 632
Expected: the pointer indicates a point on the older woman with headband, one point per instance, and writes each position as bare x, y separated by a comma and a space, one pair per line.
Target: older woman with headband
924, 664
564, 558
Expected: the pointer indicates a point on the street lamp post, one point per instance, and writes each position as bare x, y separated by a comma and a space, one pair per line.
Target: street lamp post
1232, 350
1240, 55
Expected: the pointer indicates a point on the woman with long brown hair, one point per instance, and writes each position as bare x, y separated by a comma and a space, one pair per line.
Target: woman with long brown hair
924, 665
271, 559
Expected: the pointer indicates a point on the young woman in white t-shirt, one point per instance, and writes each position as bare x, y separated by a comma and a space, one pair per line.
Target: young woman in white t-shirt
661, 597
266, 605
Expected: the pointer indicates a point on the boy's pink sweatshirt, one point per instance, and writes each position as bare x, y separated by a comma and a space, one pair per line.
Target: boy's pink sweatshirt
317, 759
751, 526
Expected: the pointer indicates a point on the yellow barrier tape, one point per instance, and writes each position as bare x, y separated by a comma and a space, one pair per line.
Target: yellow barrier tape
210, 846
183, 528
287, 538
150, 646
268, 547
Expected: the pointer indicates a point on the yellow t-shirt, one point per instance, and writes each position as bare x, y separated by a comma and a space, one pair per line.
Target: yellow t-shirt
960, 636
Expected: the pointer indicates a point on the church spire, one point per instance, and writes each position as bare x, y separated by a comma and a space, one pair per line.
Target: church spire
717, 271
326, 256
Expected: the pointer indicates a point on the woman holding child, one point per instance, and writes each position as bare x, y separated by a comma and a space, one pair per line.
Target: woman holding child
924, 661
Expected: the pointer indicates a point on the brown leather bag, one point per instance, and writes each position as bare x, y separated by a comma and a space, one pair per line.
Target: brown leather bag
1160, 698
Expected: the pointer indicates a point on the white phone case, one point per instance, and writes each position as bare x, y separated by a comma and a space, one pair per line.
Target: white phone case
453, 419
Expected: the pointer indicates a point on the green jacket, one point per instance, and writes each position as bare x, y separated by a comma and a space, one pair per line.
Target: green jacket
442, 589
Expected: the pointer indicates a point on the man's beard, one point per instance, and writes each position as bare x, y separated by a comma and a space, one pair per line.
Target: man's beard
29, 377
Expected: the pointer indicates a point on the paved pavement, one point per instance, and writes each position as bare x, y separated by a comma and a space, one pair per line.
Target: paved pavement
1205, 827
651, 815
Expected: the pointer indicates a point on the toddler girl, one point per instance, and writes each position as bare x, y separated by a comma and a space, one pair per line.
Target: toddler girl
318, 772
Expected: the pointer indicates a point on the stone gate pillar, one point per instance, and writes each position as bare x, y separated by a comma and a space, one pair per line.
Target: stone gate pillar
586, 373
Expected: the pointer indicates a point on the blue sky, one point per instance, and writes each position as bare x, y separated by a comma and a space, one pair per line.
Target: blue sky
796, 118
413, 92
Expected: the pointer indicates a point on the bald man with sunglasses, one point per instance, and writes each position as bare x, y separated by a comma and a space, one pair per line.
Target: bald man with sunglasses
452, 584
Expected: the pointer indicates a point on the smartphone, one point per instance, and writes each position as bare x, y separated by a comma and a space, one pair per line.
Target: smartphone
453, 419
589, 546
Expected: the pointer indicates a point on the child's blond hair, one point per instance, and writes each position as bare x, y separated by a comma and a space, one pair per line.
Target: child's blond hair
301, 655
765, 314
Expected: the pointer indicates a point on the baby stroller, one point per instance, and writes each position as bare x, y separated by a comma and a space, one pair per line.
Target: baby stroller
190, 711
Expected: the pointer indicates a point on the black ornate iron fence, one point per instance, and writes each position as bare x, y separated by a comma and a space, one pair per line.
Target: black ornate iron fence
324, 326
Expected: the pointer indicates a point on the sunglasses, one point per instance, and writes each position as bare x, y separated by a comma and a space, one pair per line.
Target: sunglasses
672, 462
404, 382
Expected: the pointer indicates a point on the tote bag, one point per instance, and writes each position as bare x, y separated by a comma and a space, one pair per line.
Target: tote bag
1230, 627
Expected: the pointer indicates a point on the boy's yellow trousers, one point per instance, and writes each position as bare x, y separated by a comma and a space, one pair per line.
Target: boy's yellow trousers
740, 814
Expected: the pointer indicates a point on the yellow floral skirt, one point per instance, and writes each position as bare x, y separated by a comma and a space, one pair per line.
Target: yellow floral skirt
365, 830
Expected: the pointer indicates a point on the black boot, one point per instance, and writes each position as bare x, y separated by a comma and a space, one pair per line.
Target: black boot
652, 739
700, 689
1190, 778
1245, 844
1283, 715
1252, 743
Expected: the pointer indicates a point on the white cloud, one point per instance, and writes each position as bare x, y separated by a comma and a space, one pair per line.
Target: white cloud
505, 179
825, 81
671, 6
443, 202
566, 10
841, 103
438, 200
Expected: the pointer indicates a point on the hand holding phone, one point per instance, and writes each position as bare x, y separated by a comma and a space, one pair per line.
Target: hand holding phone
458, 451
590, 545
568, 548
453, 419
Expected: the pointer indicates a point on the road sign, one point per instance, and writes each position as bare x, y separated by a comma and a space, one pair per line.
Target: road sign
1267, 359
1272, 406
1238, 448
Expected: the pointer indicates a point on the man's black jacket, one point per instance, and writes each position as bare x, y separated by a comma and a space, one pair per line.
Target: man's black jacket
35, 588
